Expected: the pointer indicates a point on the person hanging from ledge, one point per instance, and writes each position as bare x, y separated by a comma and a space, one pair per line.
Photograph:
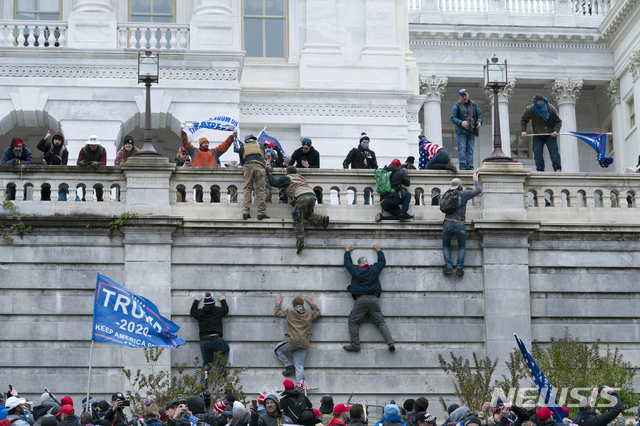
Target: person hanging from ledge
127, 151
302, 198
92, 155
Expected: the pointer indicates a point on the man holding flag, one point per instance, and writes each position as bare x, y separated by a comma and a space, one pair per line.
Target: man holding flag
544, 119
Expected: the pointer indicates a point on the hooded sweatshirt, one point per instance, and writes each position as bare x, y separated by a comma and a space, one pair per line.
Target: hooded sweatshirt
196, 406
241, 416
54, 155
209, 317
268, 419
9, 155
298, 325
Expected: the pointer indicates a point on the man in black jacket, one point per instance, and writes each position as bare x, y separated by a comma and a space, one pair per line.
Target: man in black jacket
362, 158
115, 415
391, 200
210, 323
587, 417
293, 403
195, 404
305, 157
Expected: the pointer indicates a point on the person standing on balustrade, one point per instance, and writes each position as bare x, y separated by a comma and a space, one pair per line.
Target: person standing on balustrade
253, 163
546, 121
467, 117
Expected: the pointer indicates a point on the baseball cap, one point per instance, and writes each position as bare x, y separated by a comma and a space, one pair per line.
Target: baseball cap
169, 404
13, 402
340, 408
537, 97
543, 414
462, 91
306, 141
67, 409
455, 183
116, 396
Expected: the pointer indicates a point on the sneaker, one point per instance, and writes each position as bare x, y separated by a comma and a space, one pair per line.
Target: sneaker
451, 167
459, 272
351, 348
263, 216
246, 216
392, 347
405, 216
289, 371
447, 271
378, 217
325, 222
301, 247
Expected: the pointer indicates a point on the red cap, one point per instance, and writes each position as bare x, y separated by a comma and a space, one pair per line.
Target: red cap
288, 385
396, 162
67, 409
566, 411
317, 413
182, 149
271, 144
66, 400
17, 143
261, 397
340, 408
543, 414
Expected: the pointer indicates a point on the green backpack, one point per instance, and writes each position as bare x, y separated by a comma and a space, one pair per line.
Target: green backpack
383, 181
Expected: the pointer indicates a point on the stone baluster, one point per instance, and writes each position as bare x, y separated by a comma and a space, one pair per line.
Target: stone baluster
206, 195
526, 200
21, 39
434, 89
183, 38
504, 95
375, 199
133, 42
163, 38
605, 200
240, 196
71, 196
540, 200
3, 195
31, 40
617, 126
19, 192
342, 197
46, 34
122, 37
224, 196
153, 41
143, 38
589, 201
123, 196
174, 40
11, 40
566, 92
2, 38
62, 40
89, 194
573, 199
37, 194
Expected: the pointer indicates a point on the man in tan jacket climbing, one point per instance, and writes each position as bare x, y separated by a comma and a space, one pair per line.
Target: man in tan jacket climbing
299, 322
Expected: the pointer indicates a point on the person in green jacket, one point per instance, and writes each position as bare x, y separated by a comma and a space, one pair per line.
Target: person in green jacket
544, 119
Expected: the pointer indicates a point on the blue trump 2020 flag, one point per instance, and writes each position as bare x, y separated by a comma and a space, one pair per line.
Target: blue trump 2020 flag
598, 141
263, 137
124, 318
544, 387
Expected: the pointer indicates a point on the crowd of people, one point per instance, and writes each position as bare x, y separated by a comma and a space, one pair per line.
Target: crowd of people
293, 406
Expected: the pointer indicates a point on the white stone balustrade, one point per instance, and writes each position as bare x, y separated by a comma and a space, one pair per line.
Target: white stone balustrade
464, 6
590, 7
33, 34
415, 5
530, 7
153, 36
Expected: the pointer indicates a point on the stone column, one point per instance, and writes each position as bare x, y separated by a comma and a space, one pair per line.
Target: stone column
380, 28
215, 25
504, 95
566, 92
613, 93
321, 25
93, 6
212, 7
633, 63
434, 89
92, 25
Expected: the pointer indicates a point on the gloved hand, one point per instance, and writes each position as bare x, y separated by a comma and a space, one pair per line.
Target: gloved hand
83, 163
94, 164
269, 170
15, 162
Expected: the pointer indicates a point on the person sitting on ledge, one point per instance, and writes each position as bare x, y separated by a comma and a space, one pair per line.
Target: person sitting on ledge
55, 153
92, 154
434, 156
391, 201
17, 154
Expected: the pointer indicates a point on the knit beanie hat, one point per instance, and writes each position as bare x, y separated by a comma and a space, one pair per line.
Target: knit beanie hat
472, 420
421, 404
128, 139
288, 385
452, 408
261, 397
208, 299
17, 143
298, 301
66, 400
422, 138
391, 410
363, 137
219, 407
202, 140
408, 404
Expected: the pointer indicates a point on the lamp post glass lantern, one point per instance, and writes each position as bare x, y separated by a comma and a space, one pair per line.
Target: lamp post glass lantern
148, 72
495, 78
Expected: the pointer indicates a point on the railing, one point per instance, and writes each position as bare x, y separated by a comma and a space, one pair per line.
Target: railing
41, 34
464, 6
530, 7
153, 36
590, 7
415, 6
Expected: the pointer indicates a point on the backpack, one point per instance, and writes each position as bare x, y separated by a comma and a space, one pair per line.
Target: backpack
295, 407
450, 201
383, 181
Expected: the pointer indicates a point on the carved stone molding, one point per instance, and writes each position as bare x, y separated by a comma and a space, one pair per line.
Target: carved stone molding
502, 187
633, 63
323, 110
504, 94
148, 183
212, 7
106, 72
613, 92
412, 117
591, 40
433, 87
566, 90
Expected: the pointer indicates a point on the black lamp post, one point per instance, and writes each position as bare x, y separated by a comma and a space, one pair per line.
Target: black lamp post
148, 72
495, 78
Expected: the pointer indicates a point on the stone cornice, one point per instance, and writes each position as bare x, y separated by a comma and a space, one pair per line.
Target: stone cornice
617, 17
323, 110
433, 87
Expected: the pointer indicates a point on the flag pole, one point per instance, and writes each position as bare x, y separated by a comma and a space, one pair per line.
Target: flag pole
563, 133
89, 381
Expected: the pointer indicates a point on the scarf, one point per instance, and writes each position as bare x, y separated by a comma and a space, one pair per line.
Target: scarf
126, 154
204, 149
300, 309
541, 110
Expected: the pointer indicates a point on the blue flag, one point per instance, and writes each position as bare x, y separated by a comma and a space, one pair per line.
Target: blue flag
124, 318
598, 141
544, 387
263, 137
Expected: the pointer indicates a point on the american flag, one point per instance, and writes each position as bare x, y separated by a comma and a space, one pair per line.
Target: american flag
302, 386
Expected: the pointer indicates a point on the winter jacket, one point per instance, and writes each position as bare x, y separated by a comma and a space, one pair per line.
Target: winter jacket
241, 417
54, 157
69, 420
365, 280
88, 156
398, 178
298, 326
590, 418
360, 158
294, 395
178, 162
196, 406
312, 156
269, 420
357, 422
538, 125
208, 158
521, 414
335, 422
123, 155
273, 157
119, 420
326, 418
457, 117
252, 153
152, 421
44, 409
9, 155
19, 421
460, 213
293, 185
209, 317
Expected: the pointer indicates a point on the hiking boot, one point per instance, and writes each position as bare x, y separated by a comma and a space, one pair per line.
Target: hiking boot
460, 272
246, 216
378, 217
403, 216
325, 222
289, 371
351, 348
301, 247
451, 167
447, 271
392, 347
263, 216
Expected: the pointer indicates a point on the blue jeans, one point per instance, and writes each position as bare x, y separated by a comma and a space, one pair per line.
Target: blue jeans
466, 141
552, 146
210, 353
367, 198
449, 229
439, 161
391, 205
